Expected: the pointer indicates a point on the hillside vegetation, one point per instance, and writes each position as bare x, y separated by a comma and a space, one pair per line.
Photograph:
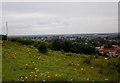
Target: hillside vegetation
26, 63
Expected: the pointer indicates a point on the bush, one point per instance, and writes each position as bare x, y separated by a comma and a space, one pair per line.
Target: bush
27, 42
67, 46
42, 47
87, 60
57, 44
69, 54
36, 44
21, 41
15, 40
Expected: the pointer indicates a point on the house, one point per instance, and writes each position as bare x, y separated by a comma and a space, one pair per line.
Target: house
114, 51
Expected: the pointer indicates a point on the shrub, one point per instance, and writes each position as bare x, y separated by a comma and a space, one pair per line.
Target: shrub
57, 44
87, 60
27, 42
15, 40
67, 46
69, 54
36, 44
42, 47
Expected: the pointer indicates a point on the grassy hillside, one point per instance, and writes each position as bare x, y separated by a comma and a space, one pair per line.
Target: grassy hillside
21, 62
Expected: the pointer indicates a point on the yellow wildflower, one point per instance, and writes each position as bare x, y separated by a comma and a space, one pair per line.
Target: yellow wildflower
47, 72
35, 68
81, 68
88, 78
21, 77
26, 77
35, 75
106, 78
48, 76
41, 73
33, 62
31, 72
56, 75
91, 67
26, 64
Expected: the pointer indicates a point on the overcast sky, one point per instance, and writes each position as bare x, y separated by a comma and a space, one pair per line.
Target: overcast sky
33, 18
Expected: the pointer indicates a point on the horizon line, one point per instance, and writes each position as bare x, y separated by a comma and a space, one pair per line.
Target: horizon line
65, 33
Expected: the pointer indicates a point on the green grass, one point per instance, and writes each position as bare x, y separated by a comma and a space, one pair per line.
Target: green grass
19, 62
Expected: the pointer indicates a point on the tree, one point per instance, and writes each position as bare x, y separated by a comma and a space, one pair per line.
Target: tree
4, 37
67, 46
42, 47
57, 44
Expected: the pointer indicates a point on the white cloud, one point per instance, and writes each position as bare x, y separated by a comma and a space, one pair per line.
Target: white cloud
53, 19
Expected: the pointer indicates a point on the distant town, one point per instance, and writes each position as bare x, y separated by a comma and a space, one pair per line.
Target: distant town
65, 36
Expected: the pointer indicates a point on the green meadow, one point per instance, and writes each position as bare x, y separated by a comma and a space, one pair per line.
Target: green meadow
26, 63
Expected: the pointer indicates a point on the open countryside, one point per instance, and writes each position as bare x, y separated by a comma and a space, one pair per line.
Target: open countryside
60, 42
28, 60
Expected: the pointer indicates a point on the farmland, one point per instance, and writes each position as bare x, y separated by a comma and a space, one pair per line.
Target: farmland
26, 63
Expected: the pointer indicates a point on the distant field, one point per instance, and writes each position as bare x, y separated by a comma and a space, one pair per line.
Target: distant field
25, 63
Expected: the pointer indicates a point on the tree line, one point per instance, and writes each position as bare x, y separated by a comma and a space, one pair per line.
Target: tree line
72, 46
80, 45
59, 45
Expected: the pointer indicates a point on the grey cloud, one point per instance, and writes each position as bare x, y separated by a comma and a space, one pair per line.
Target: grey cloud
60, 18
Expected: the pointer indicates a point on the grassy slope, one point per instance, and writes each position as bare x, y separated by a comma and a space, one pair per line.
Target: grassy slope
60, 67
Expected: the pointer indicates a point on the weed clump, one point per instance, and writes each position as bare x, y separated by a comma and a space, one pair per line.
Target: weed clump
87, 60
